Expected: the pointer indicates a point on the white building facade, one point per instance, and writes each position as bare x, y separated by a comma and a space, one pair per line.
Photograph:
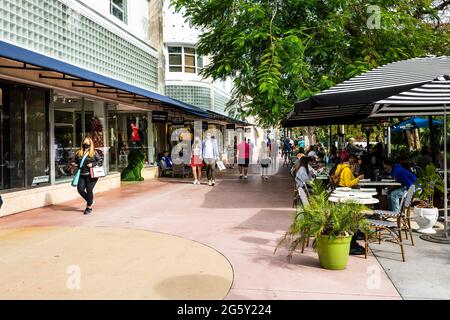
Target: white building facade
183, 64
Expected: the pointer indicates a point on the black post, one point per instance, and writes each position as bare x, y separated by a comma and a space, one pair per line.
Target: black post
432, 141
368, 140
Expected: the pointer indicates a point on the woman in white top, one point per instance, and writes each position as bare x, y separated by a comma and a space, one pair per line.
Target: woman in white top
304, 174
264, 160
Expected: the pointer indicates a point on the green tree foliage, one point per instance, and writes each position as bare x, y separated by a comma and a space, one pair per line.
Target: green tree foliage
280, 51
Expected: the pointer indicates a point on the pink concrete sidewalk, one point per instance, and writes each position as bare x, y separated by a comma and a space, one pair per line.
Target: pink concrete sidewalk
242, 219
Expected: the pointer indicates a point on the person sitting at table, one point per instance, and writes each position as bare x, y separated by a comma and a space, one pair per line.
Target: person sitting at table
356, 167
332, 155
297, 162
166, 158
305, 173
344, 172
402, 175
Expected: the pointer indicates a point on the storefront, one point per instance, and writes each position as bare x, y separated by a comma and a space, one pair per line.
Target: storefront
24, 138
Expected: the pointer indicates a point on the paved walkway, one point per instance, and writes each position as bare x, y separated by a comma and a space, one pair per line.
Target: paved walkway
242, 219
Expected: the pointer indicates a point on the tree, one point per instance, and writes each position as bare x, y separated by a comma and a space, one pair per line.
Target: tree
280, 51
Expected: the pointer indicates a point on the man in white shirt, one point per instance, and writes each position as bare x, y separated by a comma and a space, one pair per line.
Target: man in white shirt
210, 156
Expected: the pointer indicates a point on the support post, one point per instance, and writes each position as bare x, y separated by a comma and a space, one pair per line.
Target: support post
432, 140
445, 175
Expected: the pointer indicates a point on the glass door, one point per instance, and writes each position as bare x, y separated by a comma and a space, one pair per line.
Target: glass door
36, 138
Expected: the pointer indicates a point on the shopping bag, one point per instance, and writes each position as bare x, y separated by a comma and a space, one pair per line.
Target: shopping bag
97, 172
220, 165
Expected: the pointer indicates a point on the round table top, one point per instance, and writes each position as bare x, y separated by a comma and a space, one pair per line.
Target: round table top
356, 192
356, 199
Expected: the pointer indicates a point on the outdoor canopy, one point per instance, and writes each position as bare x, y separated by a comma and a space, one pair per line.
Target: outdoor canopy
353, 100
414, 123
26, 56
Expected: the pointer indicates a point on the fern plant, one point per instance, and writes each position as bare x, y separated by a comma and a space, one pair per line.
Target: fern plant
324, 218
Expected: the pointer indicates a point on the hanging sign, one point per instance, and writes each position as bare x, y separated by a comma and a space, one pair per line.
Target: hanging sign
159, 117
204, 125
231, 126
177, 121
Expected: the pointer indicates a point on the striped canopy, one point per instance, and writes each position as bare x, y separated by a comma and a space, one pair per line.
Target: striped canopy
428, 99
353, 100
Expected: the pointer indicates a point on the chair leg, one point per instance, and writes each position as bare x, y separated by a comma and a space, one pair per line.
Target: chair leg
410, 230
399, 225
403, 251
303, 246
366, 245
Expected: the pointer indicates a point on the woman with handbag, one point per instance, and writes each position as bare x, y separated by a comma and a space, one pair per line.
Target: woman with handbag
86, 159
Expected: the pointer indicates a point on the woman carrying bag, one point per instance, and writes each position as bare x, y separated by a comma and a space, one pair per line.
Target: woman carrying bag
85, 180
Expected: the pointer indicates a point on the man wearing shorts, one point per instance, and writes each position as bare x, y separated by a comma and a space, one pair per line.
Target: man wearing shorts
243, 150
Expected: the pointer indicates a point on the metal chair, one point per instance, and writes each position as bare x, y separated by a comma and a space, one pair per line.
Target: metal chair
394, 229
404, 216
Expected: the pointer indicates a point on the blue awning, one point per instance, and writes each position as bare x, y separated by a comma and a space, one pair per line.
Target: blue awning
23, 55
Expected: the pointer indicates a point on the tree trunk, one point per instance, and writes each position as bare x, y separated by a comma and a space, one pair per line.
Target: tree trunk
417, 144
409, 139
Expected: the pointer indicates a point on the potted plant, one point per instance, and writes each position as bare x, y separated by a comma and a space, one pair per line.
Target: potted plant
425, 213
331, 224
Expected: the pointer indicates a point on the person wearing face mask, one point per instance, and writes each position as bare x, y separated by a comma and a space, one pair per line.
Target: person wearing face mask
210, 153
86, 184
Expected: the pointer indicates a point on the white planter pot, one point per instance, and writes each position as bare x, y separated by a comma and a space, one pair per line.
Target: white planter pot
426, 218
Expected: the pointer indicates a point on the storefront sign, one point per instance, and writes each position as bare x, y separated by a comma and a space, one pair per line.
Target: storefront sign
231, 126
40, 179
177, 121
159, 117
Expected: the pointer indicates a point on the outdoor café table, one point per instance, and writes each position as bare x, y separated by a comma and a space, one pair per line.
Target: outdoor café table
380, 185
366, 201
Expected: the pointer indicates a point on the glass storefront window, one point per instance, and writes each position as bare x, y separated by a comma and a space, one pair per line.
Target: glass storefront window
68, 134
37, 164
23, 137
128, 131
74, 119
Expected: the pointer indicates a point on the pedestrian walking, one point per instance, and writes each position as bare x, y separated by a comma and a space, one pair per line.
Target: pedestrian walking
197, 160
87, 158
210, 152
264, 160
243, 154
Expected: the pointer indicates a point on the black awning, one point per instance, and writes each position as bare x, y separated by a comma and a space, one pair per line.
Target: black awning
353, 100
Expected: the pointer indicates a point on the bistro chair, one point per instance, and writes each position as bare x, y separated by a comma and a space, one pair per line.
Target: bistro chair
296, 195
393, 229
303, 195
404, 216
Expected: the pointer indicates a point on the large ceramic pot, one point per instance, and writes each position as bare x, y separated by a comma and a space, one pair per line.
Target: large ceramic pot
426, 219
333, 253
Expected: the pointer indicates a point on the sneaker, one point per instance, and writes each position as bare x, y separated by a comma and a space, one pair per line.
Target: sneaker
357, 250
209, 183
198, 182
214, 182
241, 176
87, 211
195, 182
245, 177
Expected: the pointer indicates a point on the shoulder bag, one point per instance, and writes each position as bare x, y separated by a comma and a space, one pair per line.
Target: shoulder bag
76, 178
